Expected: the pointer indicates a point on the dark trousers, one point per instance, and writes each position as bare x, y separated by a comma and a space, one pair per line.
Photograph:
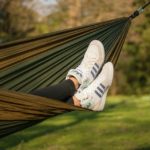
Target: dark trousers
62, 91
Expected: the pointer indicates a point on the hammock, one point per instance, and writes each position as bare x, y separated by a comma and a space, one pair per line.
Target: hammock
41, 61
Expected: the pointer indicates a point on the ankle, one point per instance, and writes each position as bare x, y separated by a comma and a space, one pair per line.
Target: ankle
75, 82
76, 101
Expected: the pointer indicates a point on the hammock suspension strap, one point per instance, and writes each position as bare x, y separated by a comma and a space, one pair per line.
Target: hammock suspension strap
139, 11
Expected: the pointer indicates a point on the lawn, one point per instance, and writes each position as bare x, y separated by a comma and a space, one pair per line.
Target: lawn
124, 125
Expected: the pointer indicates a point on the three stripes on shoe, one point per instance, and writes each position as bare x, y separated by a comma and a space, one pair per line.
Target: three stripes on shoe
95, 70
100, 90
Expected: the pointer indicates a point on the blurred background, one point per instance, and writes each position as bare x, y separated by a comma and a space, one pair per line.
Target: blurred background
26, 18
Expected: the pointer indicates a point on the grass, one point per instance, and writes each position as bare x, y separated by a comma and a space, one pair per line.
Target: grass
123, 125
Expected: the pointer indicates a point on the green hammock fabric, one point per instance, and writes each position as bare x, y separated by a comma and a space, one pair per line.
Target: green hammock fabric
41, 61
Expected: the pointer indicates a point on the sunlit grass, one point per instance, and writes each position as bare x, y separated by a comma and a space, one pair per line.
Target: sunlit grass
123, 125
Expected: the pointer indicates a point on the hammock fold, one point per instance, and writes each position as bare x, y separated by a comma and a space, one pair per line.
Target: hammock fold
41, 61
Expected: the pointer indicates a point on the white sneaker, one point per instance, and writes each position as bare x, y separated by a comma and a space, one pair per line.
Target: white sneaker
90, 66
93, 97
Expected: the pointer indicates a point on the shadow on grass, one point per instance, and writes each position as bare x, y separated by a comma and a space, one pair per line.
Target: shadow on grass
119, 105
40, 130
143, 148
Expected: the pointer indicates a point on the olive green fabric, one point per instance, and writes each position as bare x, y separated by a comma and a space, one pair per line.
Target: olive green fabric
41, 61
20, 110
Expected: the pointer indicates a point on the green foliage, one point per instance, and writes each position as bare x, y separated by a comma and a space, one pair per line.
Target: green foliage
16, 20
137, 69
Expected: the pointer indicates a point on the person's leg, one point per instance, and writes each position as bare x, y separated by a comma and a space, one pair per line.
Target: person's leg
84, 75
62, 91
89, 68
